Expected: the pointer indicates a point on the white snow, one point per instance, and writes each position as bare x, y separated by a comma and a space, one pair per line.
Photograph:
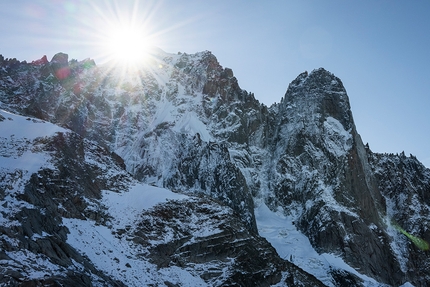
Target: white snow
125, 207
399, 242
119, 257
191, 124
20, 158
107, 252
337, 139
25, 127
290, 243
28, 161
33, 265
163, 113
294, 246
16, 135
182, 117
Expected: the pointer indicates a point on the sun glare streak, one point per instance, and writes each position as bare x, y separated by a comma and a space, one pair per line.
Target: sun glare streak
126, 44
419, 242
123, 35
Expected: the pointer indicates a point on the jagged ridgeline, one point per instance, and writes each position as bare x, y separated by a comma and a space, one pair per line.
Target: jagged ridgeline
172, 175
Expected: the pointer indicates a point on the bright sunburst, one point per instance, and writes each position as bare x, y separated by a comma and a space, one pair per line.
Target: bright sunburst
124, 34
127, 45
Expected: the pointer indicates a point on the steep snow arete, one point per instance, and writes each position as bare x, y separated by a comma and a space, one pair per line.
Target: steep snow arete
172, 175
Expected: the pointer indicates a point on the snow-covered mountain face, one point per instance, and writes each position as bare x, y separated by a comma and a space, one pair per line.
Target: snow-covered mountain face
181, 128
323, 179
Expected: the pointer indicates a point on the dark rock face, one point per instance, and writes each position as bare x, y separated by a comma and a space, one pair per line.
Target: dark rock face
320, 160
60, 66
183, 123
190, 248
41, 61
405, 185
232, 241
33, 212
198, 167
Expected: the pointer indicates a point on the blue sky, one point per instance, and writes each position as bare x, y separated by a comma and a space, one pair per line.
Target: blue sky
379, 49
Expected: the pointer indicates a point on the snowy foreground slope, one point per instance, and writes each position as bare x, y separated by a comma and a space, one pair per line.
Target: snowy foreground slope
173, 175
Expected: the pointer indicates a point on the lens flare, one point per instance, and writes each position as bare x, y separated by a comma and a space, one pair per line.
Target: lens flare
419, 242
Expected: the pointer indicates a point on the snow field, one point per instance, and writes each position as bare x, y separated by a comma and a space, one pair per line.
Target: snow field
116, 255
294, 246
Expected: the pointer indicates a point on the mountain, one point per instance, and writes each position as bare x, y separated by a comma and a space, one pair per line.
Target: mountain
172, 175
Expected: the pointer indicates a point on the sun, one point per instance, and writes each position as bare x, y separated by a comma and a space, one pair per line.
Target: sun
127, 45
124, 34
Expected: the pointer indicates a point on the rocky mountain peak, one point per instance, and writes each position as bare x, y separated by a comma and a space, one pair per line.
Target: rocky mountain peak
62, 59
320, 159
220, 81
41, 61
319, 95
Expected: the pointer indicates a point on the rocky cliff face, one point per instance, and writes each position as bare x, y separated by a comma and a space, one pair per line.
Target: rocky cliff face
183, 123
322, 175
405, 183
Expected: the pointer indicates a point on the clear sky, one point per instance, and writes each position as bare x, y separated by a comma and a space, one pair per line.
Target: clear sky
379, 49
